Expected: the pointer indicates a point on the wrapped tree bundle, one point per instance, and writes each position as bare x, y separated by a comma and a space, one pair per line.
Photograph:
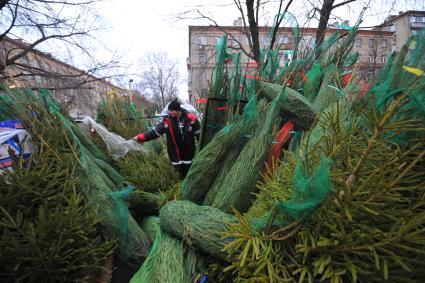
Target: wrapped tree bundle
150, 225
369, 224
169, 261
96, 179
144, 202
204, 168
201, 226
239, 184
294, 105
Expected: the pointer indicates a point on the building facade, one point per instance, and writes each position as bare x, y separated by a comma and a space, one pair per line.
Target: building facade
373, 46
77, 91
404, 25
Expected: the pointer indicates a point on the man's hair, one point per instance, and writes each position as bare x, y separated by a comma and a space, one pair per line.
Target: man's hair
174, 105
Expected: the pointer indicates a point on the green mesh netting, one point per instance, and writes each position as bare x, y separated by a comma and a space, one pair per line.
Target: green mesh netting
169, 261
402, 77
312, 85
204, 168
201, 226
121, 216
309, 190
295, 106
150, 225
213, 118
96, 179
236, 189
329, 91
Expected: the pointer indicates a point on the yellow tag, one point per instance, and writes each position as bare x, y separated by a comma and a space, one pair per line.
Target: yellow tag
412, 44
415, 71
12, 86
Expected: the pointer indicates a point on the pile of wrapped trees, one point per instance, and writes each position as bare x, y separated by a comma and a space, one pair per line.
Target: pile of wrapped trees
345, 203
64, 208
307, 180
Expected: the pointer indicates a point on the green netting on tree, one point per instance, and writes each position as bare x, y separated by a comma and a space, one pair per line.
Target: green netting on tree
270, 58
225, 166
239, 184
338, 112
150, 225
329, 91
268, 72
309, 189
48, 231
144, 202
204, 168
351, 59
200, 226
96, 179
372, 228
121, 214
234, 102
313, 82
402, 77
219, 72
169, 261
213, 118
293, 104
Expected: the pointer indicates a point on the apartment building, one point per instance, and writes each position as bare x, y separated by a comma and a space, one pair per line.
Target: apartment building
373, 46
404, 25
78, 91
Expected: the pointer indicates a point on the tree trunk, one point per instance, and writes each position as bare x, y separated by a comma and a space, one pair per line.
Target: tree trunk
253, 26
325, 13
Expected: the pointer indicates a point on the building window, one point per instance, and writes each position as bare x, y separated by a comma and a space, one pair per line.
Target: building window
417, 19
383, 43
203, 58
217, 39
265, 40
25, 61
234, 42
307, 41
282, 39
371, 58
358, 42
372, 43
384, 59
202, 40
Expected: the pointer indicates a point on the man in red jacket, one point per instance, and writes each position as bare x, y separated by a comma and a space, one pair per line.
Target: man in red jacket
181, 128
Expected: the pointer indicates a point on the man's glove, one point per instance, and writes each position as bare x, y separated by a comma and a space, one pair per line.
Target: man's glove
191, 117
140, 138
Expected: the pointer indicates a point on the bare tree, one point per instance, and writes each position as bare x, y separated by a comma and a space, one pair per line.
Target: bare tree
159, 79
325, 13
66, 25
250, 15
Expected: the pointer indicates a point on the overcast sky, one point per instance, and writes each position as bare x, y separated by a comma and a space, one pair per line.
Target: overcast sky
138, 27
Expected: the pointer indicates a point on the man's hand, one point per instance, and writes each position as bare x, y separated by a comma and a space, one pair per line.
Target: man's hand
140, 138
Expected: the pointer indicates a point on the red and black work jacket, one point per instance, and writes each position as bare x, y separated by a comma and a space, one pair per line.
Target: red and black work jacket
180, 134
